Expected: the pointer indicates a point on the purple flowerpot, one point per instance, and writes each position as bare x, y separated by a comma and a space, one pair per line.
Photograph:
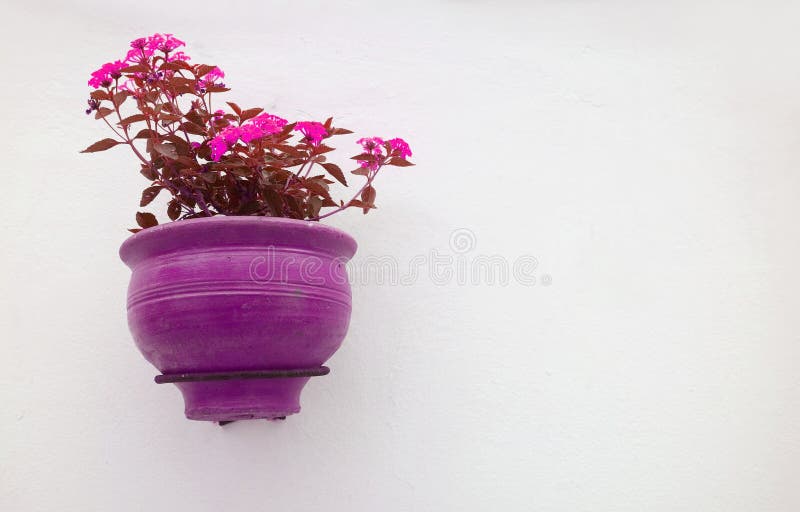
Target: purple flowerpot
239, 312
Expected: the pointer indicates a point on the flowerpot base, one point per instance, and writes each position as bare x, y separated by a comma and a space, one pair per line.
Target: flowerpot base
233, 396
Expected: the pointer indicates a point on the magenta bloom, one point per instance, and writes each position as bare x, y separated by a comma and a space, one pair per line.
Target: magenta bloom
313, 131
218, 147
214, 75
269, 123
163, 42
106, 75
139, 44
250, 132
372, 145
231, 134
211, 78
137, 55
178, 56
400, 145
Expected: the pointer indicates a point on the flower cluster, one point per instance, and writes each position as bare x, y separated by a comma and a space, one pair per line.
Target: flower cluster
222, 162
259, 127
141, 50
313, 131
106, 75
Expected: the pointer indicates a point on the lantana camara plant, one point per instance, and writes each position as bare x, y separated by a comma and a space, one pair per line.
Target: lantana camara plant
217, 162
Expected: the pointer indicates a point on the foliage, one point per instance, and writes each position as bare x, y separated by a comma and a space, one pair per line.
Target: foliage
217, 162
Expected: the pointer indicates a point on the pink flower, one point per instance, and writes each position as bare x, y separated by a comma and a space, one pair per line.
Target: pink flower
269, 123
372, 145
178, 56
210, 78
250, 132
139, 44
106, 75
400, 145
218, 147
162, 42
214, 75
231, 134
313, 131
136, 55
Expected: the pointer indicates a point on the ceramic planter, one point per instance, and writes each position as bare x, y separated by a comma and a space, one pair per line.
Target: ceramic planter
238, 312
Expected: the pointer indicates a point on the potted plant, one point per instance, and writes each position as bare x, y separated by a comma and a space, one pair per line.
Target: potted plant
244, 297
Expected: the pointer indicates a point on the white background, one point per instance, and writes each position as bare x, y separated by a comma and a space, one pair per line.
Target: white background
646, 153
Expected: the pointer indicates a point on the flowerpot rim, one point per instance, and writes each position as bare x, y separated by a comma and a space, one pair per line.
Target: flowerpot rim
223, 230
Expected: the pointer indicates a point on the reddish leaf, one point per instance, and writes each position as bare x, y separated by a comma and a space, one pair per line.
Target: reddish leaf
203, 69
400, 162
336, 172
136, 68
314, 205
168, 150
235, 108
133, 119
176, 65
99, 95
216, 88
101, 145
174, 209
102, 112
169, 118
149, 194
120, 98
195, 129
359, 204
368, 196
146, 220
250, 113
145, 134
149, 173
194, 117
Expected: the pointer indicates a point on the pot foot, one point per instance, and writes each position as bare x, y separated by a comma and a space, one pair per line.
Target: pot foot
225, 397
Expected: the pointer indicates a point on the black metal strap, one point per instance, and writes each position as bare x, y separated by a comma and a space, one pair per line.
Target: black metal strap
256, 374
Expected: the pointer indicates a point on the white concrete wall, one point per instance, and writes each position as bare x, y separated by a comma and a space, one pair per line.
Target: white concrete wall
646, 153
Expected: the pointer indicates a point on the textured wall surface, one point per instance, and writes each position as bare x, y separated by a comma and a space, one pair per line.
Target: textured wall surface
645, 153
